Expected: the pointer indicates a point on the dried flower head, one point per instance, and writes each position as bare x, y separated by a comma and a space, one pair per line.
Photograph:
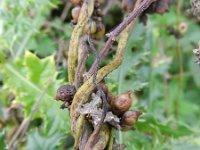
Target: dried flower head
65, 93
197, 54
195, 8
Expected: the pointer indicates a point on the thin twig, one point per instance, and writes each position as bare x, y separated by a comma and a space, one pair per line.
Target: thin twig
97, 57
113, 35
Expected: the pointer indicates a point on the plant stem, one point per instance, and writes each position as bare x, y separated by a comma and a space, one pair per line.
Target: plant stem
179, 53
83, 93
86, 11
166, 92
113, 35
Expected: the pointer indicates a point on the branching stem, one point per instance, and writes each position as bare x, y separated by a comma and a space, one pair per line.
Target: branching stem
113, 35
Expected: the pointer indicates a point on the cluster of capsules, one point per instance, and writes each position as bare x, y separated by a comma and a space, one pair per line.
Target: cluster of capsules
95, 24
119, 105
159, 7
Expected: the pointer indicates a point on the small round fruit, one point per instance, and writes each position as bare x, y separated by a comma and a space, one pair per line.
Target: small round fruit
75, 12
122, 103
100, 31
130, 117
65, 93
93, 27
183, 27
76, 2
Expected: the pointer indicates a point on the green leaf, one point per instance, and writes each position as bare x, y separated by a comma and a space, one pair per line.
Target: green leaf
41, 142
130, 62
42, 45
28, 78
148, 123
2, 140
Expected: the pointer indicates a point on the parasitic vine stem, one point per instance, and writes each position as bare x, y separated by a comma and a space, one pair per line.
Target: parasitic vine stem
86, 11
94, 136
83, 93
113, 35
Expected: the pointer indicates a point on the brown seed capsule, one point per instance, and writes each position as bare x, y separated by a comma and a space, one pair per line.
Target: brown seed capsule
76, 2
75, 12
65, 93
130, 117
161, 7
122, 103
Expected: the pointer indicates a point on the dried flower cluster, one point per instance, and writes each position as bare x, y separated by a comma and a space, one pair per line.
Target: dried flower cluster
195, 8
118, 115
197, 54
158, 7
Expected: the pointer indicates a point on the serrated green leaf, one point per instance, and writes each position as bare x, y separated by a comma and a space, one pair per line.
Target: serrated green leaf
41, 142
28, 78
39, 70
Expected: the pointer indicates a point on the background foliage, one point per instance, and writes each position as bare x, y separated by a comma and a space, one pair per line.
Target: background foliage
34, 35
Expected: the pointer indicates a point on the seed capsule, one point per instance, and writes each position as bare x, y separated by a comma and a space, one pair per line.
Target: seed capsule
75, 12
100, 31
122, 103
183, 27
130, 117
92, 26
65, 93
161, 7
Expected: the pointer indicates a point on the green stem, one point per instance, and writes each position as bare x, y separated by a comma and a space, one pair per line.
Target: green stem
179, 54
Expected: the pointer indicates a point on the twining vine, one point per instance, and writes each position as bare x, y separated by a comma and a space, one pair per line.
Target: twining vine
94, 110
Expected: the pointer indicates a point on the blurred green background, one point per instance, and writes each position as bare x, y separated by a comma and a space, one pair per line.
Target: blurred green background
34, 37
